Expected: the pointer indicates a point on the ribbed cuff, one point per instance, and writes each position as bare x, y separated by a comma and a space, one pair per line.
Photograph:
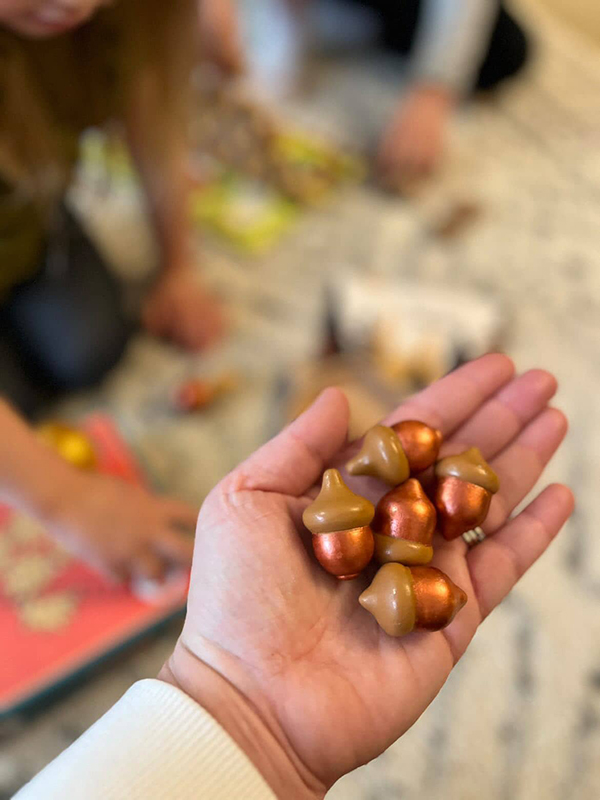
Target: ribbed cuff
154, 743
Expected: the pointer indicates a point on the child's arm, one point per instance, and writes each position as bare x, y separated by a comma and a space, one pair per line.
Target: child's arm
178, 308
121, 529
33, 478
449, 48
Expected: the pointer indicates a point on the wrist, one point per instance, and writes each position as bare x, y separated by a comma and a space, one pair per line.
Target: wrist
62, 494
248, 726
51, 488
435, 93
173, 268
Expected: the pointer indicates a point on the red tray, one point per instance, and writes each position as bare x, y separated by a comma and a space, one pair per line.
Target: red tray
57, 615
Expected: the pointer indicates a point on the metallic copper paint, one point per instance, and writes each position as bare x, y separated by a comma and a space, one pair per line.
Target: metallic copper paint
461, 506
344, 553
406, 513
438, 599
420, 443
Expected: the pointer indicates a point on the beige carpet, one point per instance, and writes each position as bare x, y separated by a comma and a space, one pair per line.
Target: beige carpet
582, 15
520, 717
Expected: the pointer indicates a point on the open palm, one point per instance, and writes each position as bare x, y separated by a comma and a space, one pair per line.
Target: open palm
332, 689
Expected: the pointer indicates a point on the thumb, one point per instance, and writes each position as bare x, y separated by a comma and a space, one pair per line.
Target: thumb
293, 461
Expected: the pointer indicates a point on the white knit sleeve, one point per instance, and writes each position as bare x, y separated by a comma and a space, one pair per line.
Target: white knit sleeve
154, 743
451, 41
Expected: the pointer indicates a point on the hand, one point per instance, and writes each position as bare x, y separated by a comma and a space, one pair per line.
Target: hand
221, 40
412, 145
122, 530
281, 653
180, 309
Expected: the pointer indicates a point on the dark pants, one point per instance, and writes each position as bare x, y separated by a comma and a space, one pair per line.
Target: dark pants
507, 52
64, 329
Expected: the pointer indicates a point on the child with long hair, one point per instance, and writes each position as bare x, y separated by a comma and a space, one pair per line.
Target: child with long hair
66, 65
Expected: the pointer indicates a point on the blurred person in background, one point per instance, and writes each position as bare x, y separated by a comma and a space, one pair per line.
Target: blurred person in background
66, 65
455, 47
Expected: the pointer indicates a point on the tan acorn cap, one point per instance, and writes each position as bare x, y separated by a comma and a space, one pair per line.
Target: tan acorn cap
471, 467
391, 600
337, 508
381, 456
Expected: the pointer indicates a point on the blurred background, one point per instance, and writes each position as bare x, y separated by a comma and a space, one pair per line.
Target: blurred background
342, 255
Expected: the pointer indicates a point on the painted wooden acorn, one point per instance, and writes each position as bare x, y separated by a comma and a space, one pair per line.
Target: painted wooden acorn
392, 454
339, 521
196, 394
404, 525
70, 443
465, 486
403, 599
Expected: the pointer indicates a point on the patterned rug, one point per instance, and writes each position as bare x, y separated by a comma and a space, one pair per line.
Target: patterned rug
520, 717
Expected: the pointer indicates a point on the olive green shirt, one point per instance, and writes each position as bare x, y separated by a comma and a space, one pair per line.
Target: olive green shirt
50, 91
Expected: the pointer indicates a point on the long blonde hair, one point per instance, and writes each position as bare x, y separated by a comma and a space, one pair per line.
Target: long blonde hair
51, 90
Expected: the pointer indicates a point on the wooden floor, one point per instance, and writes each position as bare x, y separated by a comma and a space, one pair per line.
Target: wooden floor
584, 15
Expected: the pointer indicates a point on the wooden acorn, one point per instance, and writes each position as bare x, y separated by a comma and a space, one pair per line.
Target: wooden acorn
392, 454
196, 394
404, 524
465, 486
403, 599
70, 443
339, 521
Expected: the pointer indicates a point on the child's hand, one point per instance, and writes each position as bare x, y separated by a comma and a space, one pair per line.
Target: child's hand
180, 309
220, 35
412, 145
121, 529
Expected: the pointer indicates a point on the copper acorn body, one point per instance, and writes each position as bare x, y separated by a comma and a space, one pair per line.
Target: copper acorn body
392, 454
404, 524
340, 523
403, 599
464, 491
420, 443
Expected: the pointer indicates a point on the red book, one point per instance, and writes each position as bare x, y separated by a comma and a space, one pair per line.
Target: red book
57, 615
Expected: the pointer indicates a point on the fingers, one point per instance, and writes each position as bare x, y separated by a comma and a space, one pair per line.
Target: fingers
498, 562
176, 547
154, 558
148, 564
180, 513
445, 404
292, 461
450, 402
505, 414
520, 465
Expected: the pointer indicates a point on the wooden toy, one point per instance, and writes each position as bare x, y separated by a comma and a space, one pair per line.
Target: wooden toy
339, 521
197, 394
405, 595
391, 454
404, 524
464, 491
69, 442
403, 599
457, 219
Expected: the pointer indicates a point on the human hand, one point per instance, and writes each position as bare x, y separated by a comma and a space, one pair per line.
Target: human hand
220, 34
180, 309
282, 654
122, 530
412, 144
